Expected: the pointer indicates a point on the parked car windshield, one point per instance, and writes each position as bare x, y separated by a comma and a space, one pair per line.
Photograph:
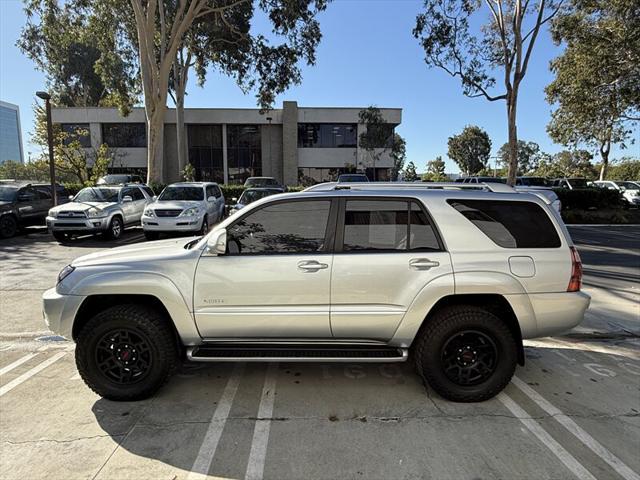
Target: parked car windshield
7, 194
261, 182
182, 193
97, 194
249, 196
353, 178
115, 179
629, 185
533, 182
578, 183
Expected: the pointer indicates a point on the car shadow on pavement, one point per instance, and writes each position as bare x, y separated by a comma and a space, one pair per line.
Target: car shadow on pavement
338, 405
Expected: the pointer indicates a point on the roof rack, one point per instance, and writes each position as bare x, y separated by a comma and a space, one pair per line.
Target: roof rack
486, 186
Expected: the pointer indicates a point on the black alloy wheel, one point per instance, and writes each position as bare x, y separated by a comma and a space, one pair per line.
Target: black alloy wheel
124, 356
469, 357
8, 226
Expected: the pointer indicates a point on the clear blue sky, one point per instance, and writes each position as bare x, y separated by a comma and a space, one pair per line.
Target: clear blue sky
367, 56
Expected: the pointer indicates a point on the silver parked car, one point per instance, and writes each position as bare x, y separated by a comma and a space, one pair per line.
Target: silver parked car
104, 209
340, 273
188, 207
250, 195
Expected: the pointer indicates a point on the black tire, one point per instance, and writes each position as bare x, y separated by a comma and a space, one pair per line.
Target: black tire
61, 237
116, 227
151, 235
446, 355
8, 226
205, 226
137, 331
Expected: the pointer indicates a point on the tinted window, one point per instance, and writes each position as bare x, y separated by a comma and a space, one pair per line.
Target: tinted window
124, 134
137, 194
213, 191
510, 224
293, 227
182, 193
76, 131
244, 154
44, 192
327, 135
378, 225
149, 191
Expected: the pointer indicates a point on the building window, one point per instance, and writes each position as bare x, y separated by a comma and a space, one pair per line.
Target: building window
76, 131
327, 135
205, 152
244, 154
124, 135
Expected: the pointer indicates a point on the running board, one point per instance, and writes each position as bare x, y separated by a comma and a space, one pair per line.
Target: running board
296, 353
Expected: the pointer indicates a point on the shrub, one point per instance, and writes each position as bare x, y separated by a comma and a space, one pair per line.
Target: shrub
588, 198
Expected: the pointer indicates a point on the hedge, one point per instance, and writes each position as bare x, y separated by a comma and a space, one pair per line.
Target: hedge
588, 198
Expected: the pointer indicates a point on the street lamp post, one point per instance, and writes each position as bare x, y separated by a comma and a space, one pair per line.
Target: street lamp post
52, 169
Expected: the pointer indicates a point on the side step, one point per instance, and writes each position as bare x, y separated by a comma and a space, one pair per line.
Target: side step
296, 353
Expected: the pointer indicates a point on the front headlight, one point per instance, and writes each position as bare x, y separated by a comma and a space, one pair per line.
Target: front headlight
148, 212
190, 212
65, 272
95, 213
53, 213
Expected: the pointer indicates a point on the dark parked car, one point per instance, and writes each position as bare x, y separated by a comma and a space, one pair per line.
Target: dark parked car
23, 204
261, 182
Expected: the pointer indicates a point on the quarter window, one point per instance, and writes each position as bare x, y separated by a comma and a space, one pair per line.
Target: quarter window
380, 225
510, 224
283, 228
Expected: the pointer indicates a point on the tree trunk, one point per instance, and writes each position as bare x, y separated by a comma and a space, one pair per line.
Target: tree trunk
512, 100
181, 141
604, 154
155, 141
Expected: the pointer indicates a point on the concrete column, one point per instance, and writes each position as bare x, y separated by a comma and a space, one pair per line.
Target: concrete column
225, 160
290, 143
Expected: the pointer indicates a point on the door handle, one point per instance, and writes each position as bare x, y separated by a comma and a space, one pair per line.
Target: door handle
423, 263
312, 266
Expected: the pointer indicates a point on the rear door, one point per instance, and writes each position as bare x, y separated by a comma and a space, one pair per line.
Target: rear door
387, 251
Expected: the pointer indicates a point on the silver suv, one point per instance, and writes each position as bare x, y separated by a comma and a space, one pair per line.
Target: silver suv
103, 209
452, 277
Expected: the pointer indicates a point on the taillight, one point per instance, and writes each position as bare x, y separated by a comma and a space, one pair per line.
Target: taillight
575, 282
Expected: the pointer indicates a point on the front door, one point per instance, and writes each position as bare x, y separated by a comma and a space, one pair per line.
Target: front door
274, 280
387, 251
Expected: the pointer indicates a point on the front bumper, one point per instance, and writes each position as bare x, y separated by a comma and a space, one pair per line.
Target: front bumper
171, 224
59, 311
77, 225
558, 312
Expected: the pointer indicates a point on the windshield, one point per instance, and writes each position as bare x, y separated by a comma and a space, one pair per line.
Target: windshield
578, 183
353, 178
629, 185
249, 196
533, 182
111, 179
7, 194
257, 182
181, 193
97, 194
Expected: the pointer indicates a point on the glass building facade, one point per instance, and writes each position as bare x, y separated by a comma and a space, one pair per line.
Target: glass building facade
10, 134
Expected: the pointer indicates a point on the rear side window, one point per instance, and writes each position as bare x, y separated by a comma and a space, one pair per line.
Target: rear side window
148, 190
383, 226
510, 224
283, 228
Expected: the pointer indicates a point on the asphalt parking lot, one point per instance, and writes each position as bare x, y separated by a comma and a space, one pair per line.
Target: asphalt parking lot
572, 412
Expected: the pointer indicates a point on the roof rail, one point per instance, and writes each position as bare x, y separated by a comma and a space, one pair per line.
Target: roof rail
486, 186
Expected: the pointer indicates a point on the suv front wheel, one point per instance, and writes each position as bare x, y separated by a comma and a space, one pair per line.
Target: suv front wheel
466, 354
126, 352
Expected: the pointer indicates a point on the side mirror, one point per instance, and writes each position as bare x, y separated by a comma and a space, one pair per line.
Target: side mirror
234, 199
217, 243
154, 198
211, 199
70, 197
127, 198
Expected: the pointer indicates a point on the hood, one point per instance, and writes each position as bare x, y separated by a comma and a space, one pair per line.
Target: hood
138, 252
77, 206
175, 204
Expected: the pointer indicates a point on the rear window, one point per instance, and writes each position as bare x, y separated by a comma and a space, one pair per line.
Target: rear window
510, 224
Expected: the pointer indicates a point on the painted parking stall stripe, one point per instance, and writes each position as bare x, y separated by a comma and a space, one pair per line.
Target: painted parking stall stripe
534, 427
30, 373
209, 445
258, 454
613, 461
17, 363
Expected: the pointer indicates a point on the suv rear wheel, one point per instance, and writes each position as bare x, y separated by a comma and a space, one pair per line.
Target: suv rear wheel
8, 226
126, 352
466, 354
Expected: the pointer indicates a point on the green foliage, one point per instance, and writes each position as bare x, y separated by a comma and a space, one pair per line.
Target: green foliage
597, 76
189, 173
398, 155
588, 198
627, 168
37, 170
529, 156
470, 149
410, 174
568, 163
435, 171
378, 137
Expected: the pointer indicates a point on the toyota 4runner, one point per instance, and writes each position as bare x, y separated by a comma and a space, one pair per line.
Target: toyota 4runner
449, 275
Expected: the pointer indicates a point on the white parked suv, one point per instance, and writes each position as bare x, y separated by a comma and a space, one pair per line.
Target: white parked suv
629, 191
184, 207
452, 277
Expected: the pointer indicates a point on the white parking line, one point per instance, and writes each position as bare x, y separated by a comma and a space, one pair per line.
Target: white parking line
30, 373
257, 457
17, 363
209, 445
547, 440
613, 461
